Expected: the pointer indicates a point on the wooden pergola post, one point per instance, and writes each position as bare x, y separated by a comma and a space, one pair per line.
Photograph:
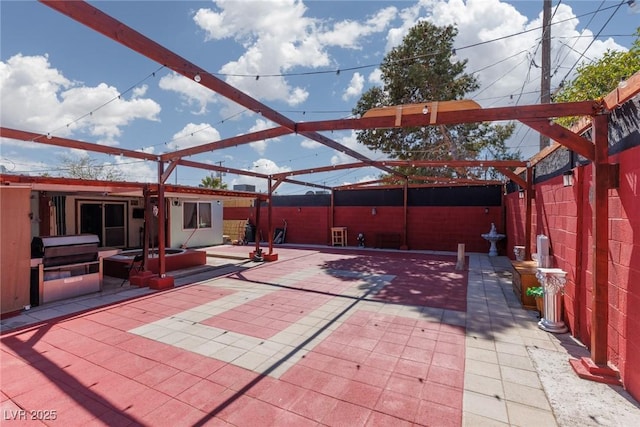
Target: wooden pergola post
596, 367
161, 281
161, 215
405, 213
256, 233
146, 192
600, 295
269, 214
331, 217
528, 213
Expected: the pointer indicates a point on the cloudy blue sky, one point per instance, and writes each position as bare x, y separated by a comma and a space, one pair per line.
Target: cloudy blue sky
60, 77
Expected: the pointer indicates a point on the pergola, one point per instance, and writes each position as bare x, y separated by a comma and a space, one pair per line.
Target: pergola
537, 117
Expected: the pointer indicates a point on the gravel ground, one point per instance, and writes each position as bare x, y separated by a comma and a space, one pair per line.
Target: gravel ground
577, 402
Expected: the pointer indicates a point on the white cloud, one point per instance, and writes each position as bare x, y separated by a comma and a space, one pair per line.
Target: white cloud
260, 146
139, 91
503, 67
351, 141
310, 144
348, 34
355, 87
192, 135
192, 93
42, 100
277, 37
19, 157
409, 17
261, 166
375, 77
368, 178
136, 170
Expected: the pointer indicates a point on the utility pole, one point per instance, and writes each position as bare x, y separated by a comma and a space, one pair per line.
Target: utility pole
220, 173
545, 81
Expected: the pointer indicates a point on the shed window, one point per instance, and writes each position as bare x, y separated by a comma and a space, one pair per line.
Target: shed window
196, 215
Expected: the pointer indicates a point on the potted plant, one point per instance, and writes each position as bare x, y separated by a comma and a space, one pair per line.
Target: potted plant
538, 293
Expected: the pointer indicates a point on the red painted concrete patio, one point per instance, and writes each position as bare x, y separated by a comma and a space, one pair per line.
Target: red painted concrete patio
318, 338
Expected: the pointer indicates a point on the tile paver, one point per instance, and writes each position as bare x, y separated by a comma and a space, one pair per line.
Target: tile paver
311, 339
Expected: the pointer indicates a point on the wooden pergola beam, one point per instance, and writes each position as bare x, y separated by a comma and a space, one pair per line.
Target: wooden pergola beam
110, 27
526, 112
215, 168
228, 142
21, 135
456, 163
411, 163
513, 176
360, 184
322, 169
167, 172
564, 136
241, 172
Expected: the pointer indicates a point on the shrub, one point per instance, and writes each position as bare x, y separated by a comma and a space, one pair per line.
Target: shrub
536, 291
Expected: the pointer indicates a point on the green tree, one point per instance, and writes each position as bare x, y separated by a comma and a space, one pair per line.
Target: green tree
597, 79
210, 181
87, 168
420, 70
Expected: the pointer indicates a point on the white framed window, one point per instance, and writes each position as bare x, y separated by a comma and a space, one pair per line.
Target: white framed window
196, 215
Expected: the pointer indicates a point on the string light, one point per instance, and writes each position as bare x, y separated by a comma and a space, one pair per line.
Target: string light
453, 59
632, 4
119, 96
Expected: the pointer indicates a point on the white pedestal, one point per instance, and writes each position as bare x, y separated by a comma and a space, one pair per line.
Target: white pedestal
553, 281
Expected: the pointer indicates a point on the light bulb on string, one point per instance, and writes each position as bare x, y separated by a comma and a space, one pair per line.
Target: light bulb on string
197, 78
453, 59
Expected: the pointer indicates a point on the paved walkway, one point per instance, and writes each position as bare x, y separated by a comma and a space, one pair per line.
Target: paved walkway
324, 336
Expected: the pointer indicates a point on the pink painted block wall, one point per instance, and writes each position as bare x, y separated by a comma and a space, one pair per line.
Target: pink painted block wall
565, 215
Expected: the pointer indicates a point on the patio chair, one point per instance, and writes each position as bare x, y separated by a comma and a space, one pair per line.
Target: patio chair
137, 264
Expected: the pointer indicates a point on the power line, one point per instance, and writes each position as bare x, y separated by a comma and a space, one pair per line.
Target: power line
600, 9
594, 39
119, 96
337, 71
576, 40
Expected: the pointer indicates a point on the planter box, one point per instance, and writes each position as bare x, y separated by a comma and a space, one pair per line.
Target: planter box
524, 277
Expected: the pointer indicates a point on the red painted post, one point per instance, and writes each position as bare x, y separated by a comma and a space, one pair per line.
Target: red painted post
528, 214
600, 203
405, 211
269, 216
256, 234
161, 216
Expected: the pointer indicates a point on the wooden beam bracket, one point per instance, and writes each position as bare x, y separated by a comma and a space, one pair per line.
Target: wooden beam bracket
166, 173
563, 136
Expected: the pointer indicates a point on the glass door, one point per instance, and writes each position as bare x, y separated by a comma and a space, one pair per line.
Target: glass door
105, 219
114, 225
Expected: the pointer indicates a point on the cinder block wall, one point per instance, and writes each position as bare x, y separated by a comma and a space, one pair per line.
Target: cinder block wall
428, 228
565, 215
